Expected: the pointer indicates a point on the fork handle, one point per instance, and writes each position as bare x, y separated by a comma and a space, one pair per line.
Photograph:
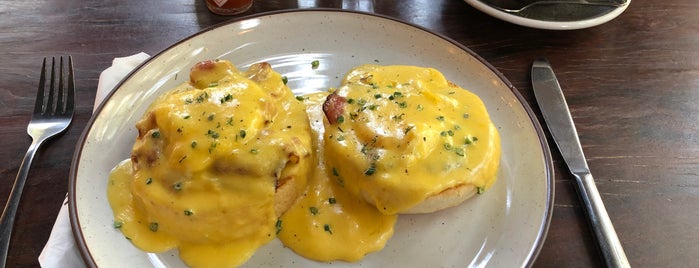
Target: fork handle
8, 215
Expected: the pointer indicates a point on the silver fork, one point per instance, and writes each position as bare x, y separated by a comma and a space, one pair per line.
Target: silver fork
53, 112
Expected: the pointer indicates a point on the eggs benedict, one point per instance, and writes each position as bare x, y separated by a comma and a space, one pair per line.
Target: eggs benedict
406, 140
216, 161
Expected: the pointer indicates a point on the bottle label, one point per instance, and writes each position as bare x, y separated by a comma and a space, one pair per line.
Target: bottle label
220, 3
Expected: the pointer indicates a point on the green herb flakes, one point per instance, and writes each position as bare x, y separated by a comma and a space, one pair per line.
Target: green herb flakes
278, 225
448, 146
153, 226
212, 134
177, 186
227, 98
118, 224
459, 151
371, 170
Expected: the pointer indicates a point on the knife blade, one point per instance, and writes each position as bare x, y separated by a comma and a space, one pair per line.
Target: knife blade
554, 109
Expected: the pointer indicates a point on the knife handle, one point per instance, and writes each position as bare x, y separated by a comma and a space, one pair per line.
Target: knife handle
602, 226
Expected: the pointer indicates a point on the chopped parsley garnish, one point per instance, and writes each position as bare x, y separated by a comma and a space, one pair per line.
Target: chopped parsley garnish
278, 225
285, 79
332, 200
149, 181
315, 64
459, 151
313, 210
371, 170
155, 134
118, 224
408, 129
226, 98
212, 134
153, 226
188, 212
202, 97
327, 228
177, 186
448, 146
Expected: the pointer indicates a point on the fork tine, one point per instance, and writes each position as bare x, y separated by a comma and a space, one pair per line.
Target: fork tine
39, 102
52, 87
59, 96
70, 101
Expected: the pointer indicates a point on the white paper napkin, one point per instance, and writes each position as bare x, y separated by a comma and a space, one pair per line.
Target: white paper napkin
60, 250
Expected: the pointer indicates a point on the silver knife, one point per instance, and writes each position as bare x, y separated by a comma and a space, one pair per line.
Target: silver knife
554, 108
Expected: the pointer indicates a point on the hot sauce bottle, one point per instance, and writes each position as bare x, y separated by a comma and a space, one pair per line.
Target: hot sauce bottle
228, 7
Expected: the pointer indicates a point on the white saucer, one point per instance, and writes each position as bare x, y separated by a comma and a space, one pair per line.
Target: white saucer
544, 24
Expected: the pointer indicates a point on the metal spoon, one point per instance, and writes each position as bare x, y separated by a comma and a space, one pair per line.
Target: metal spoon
556, 10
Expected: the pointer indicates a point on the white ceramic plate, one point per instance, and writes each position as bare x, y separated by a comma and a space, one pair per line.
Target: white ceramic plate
545, 24
505, 227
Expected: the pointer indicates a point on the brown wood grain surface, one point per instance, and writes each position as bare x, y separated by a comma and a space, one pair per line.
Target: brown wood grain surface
632, 85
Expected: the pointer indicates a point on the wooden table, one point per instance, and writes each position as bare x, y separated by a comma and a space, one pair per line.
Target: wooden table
632, 85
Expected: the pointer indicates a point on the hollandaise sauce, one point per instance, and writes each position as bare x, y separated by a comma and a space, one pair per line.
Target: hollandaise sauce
328, 223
